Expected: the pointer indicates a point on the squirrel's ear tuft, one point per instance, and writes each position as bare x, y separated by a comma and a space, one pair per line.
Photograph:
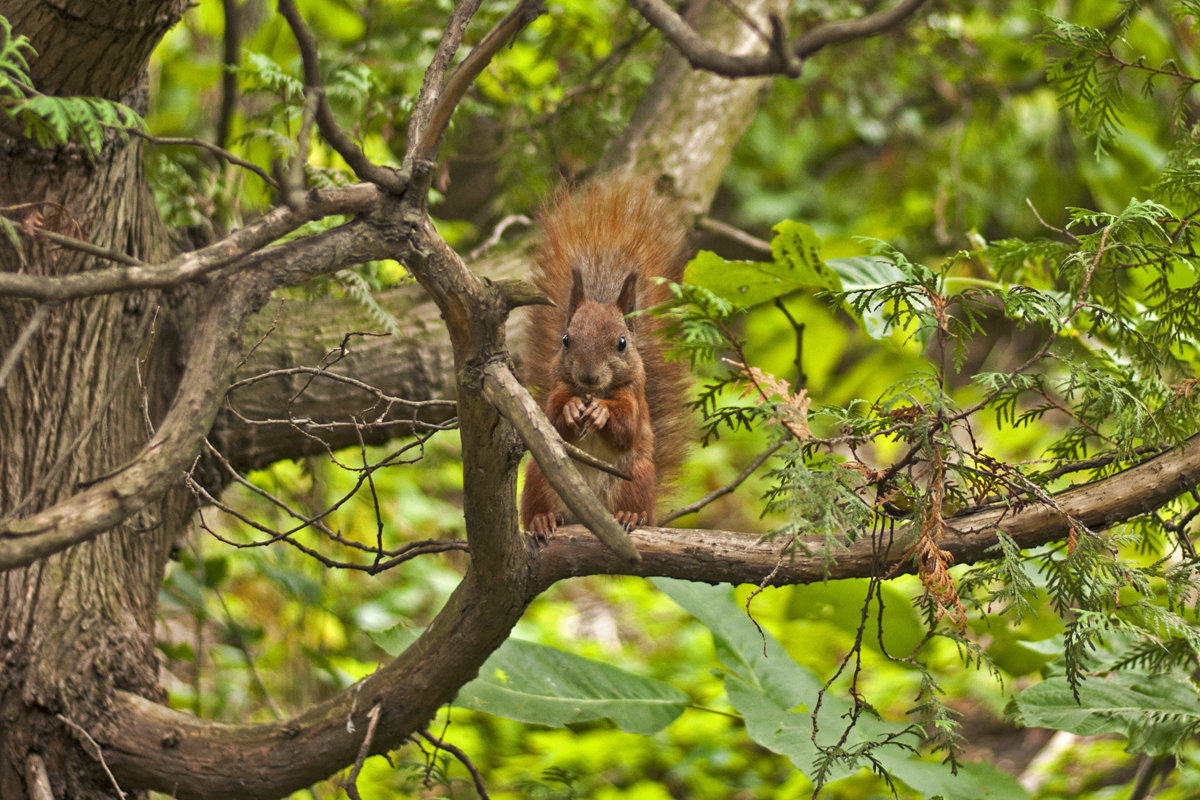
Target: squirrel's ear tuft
577, 295
627, 299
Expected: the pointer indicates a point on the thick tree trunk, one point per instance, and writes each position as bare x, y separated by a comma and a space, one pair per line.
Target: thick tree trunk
93, 376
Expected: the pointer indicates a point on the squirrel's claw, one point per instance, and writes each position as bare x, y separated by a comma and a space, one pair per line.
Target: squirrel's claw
542, 525
630, 519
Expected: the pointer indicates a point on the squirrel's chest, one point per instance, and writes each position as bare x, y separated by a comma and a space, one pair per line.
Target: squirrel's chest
600, 482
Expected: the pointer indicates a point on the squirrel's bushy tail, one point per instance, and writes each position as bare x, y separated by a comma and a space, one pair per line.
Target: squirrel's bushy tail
607, 229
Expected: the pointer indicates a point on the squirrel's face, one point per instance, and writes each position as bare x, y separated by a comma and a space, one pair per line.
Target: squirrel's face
599, 354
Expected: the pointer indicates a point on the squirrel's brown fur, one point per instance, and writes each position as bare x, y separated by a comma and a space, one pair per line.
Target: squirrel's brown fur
609, 390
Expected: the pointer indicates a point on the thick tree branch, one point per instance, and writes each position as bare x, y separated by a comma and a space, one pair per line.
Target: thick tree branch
431, 84
108, 502
150, 746
780, 58
723, 556
213, 357
357, 199
153, 747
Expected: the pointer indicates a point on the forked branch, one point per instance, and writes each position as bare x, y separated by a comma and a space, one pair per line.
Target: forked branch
780, 58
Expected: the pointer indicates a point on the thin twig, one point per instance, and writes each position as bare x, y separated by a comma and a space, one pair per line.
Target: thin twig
13, 356
363, 750
714, 225
219, 152
779, 59
463, 758
498, 233
1045, 224
239, 641
724, 490
294, 183
84, 246
96, 752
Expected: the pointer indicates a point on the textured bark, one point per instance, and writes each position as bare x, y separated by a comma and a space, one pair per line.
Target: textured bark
79, 625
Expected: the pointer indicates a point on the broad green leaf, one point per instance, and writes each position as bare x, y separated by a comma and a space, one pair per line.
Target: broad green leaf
776, 695
533, 683
864, 274
396, 639
973, 781
1155, 713
797, 265
839, 603
798, 247
544, 685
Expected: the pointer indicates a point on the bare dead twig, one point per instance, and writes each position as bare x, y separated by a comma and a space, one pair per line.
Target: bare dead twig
498, 233
714, 225
294, 183
93, 749
218, 151
13, 356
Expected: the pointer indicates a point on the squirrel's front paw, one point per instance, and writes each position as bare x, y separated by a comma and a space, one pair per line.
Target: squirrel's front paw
575, 412
630, 519
597, 414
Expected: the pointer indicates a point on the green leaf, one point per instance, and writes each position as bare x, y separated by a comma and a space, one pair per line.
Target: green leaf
839, 603
533, 683
797, 266
776, 697
798, 247
863, 274
1155, 713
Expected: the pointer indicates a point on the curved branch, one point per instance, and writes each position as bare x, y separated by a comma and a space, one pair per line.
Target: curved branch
850, 29
391, 180
83, 516
150, 746
356, 199
779, 59
514, 402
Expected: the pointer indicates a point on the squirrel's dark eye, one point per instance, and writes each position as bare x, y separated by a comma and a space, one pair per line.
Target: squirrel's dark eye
566, 340
621, 345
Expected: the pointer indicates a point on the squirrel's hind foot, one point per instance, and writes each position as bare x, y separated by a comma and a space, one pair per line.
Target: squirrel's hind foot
630, 519
542, 525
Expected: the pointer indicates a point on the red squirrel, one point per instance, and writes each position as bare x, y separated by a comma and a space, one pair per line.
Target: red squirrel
599, 372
